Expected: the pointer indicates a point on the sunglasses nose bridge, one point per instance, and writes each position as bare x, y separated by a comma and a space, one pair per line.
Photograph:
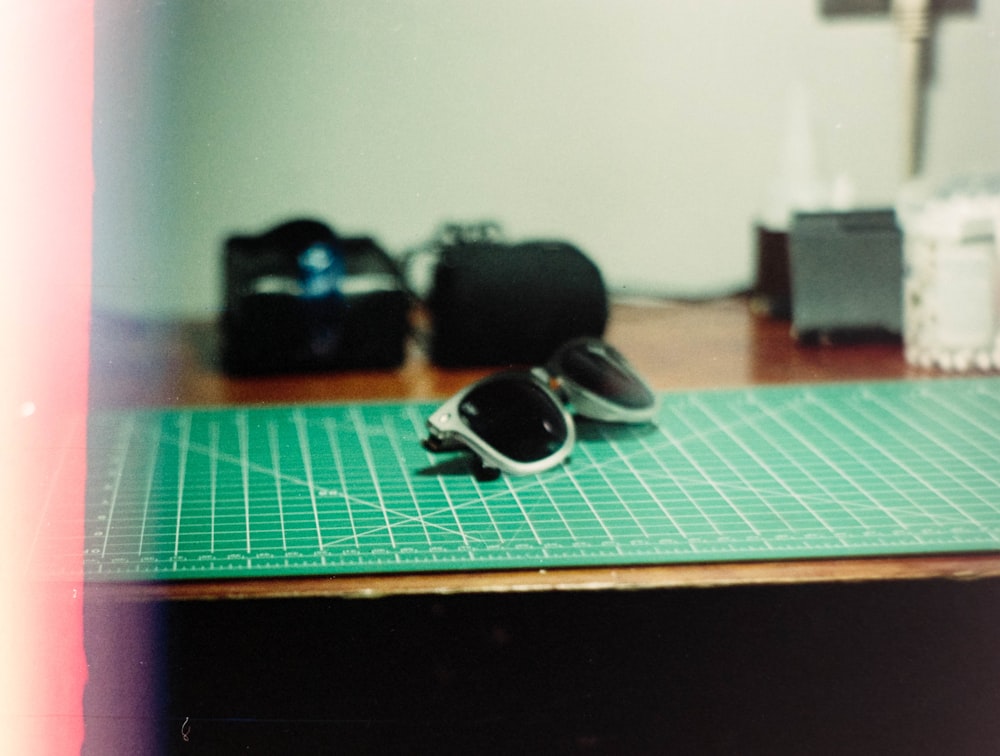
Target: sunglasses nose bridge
600, 383
551, 380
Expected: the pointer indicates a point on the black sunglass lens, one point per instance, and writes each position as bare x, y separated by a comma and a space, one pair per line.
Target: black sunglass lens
516, 417
602, 370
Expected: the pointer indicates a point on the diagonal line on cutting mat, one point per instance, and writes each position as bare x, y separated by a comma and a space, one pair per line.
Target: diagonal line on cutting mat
183, 445
972, 420
421, 518
729, 429
330, 427
962, 432
451, 507
760, 460
366, 450
852, 506
50, 498
520, 505
401, 462
150, 475
807, 499
875, 443
307, 462
417, 420
585, 450
954, 454
622, 458
247, 465
125, 435
625, 458
682, 482
565, 523
570, 473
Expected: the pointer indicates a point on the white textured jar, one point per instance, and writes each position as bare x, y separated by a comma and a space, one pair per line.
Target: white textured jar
951, 289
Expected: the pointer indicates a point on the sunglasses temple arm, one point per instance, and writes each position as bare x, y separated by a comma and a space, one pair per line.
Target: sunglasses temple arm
435, 444
480, 469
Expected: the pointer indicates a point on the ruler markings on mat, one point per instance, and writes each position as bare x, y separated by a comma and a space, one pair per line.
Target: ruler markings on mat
829, 470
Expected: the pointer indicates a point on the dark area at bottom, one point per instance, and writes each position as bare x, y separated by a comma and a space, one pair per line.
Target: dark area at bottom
879, 668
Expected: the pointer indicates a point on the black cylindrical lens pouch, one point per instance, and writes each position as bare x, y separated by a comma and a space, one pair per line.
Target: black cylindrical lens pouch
494, 303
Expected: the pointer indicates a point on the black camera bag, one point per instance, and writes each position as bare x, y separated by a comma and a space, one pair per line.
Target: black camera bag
348, 309
496, 303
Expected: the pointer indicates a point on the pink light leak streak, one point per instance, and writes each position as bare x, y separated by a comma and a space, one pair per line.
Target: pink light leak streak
46, 190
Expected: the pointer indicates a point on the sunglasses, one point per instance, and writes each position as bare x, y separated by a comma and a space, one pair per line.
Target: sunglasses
519, 421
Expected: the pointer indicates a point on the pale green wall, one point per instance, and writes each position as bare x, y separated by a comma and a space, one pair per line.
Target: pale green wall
647, 131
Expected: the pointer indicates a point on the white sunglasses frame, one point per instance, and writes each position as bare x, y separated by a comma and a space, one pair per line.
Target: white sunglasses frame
448, 431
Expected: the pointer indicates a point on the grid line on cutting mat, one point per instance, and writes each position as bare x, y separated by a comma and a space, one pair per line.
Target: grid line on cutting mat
762, 473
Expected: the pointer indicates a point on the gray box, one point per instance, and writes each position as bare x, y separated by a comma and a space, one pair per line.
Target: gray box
846, 274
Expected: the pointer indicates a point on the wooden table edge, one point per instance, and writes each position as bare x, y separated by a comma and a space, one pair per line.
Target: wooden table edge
707, 575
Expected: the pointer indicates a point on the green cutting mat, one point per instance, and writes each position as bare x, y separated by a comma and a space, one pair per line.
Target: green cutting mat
764, 473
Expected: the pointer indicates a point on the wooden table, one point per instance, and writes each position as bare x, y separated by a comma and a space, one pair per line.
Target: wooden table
676, 345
